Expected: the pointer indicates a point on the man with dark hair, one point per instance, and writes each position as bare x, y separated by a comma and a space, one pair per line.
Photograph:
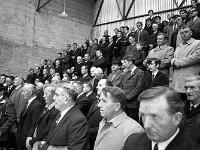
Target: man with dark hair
125, 40
30, 77
3, 79
85, 76
116, 126
161, 111
100, 61
44, 76
160, 25
141, 35
155, 77
151, 17
44, 66
194, 23
176, 39
117, 51
116, 30
116, 76
162, 52
70, 128
9, 86
133, 84
7, 120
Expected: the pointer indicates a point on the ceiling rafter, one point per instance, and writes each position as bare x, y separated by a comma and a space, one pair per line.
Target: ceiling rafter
119, 8
98, 13
129, 9
38, 5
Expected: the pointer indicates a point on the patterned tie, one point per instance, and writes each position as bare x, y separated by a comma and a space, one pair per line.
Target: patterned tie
156, 147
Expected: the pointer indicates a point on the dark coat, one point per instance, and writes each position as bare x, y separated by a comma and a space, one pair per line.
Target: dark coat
160, 79
28, 121
7, 92
133, 85
44, 124
94, 118
195, 27
66, 63
83, 103
30, 78
71, 131
153, 39
7, 118
140, 141
44, 78
144, 37
100, 63
117, 51
85, 79
192, 122
77, 69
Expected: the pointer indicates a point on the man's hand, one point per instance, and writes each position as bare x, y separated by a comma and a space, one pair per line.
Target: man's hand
27, 142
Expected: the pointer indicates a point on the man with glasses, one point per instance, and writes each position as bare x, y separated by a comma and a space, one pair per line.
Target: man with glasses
115, 126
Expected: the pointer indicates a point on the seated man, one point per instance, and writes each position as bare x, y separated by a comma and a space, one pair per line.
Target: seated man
85, 76
100, 61
45, 119
192, 107
161, 111
155, 77
70, 128
116, 126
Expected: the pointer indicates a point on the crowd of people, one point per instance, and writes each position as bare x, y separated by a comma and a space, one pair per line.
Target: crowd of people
113, 94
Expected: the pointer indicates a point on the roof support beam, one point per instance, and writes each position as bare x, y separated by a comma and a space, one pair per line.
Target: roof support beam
129, 9
98, 13
39, 7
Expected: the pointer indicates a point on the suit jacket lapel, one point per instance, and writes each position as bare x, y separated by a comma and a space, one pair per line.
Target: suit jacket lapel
134, 72
27, 108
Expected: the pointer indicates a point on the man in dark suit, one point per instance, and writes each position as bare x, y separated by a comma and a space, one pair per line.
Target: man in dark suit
85, 76
82, 102
44, 66
117, 51
141, 35
46, 118
194, 23
7, 119
37, 74
100, 61
133, 84
30, 77
28, 118
87, 60
77, 66
161, 111
153, 37
192, 107
70, 128
45, 76
155, 77
94, 117
9, 86
160, 25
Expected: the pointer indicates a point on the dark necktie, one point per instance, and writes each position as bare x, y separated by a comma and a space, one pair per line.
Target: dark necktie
192, 108
153, 76
156, 147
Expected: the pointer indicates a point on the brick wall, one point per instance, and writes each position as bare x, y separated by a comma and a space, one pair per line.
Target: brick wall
27, 36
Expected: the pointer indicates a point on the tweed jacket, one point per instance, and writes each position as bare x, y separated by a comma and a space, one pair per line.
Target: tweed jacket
116, 78
195, 27
133, 84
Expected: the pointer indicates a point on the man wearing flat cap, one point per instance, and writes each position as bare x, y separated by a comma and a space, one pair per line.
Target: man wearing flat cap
133, 84
116, 76
194, 23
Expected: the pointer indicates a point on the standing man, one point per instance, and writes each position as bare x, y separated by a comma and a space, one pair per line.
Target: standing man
28, 118
141, 35
186, 60
116, 126
133, 84
162, 52
45, 119
9, 86
100, 61
161, 111
153, 36
85, 76
70, 128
